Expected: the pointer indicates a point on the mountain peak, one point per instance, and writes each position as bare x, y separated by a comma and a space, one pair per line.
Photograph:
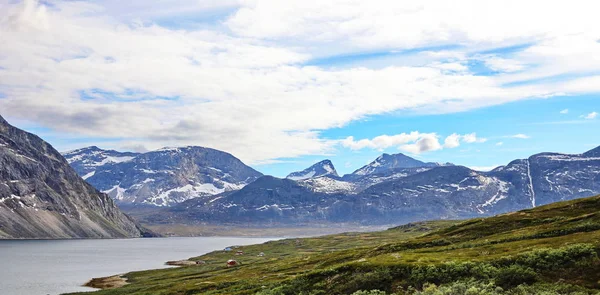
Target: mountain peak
83, 149
392, 161
321, 168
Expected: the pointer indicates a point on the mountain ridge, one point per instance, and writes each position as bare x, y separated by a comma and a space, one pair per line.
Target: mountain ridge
404, 194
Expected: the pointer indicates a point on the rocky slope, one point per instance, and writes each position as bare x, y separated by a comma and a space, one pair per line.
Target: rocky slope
41, 196
401, 194
171, 175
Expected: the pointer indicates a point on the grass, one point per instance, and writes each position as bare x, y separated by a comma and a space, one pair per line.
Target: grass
552, 248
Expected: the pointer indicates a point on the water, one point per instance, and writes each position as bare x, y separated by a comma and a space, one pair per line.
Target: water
59, 266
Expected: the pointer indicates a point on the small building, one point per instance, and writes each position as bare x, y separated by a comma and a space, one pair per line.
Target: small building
232, 263
228, 249
239, 253
200, 262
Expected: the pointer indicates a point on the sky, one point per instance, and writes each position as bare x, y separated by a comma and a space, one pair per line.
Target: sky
284, 84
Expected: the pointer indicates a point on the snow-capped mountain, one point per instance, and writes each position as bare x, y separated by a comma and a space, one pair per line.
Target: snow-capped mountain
387, 162
385, 168
403, 194
42, 197
172, 175
87, 160
322, 168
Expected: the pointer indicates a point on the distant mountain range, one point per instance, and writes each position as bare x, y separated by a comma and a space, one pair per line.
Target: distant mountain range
161, 178
201, 185
398, 194
41, 196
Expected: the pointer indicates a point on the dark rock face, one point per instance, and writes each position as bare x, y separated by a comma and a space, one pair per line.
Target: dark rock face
171, 175
399, 195
267, 200
41, 196
322, 168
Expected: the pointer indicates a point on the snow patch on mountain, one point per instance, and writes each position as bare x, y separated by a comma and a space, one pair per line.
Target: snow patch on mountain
88, 175
329, 185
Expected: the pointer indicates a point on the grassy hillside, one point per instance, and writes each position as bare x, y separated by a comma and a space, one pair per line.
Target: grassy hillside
547, 250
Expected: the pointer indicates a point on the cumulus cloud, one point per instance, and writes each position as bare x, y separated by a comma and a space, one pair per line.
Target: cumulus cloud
244, 84
385, 141
427, 143
565, 111
453, 140
414, 142
499, 143
472, 137
590, 116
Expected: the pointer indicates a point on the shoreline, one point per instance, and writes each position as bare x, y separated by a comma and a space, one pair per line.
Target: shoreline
110, 282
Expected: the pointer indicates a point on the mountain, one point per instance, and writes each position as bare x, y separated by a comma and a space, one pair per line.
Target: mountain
266, 200
322, 168
171, 175
41, 196
401, 195
87, 160
387, 162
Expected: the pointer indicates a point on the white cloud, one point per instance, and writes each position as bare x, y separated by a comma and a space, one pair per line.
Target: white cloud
472, 137
520, 136
414, 142
427, 143
590, 116
499, 143
565, 111
385, 141
452, 141
502, 64
245, 89
375, 23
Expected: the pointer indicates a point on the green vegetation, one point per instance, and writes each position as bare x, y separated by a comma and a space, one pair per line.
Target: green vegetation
547, 250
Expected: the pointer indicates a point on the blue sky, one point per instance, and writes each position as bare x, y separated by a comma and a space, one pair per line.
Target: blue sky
540, 119
445, 82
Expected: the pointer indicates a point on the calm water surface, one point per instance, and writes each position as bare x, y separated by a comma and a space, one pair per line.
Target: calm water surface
59, 266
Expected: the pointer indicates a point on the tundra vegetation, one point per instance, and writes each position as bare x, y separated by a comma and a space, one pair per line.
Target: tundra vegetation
551, 249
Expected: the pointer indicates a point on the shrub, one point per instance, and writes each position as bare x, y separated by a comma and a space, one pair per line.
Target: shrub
515, 275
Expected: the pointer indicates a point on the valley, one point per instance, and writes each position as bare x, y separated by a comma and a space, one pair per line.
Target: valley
552, 248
